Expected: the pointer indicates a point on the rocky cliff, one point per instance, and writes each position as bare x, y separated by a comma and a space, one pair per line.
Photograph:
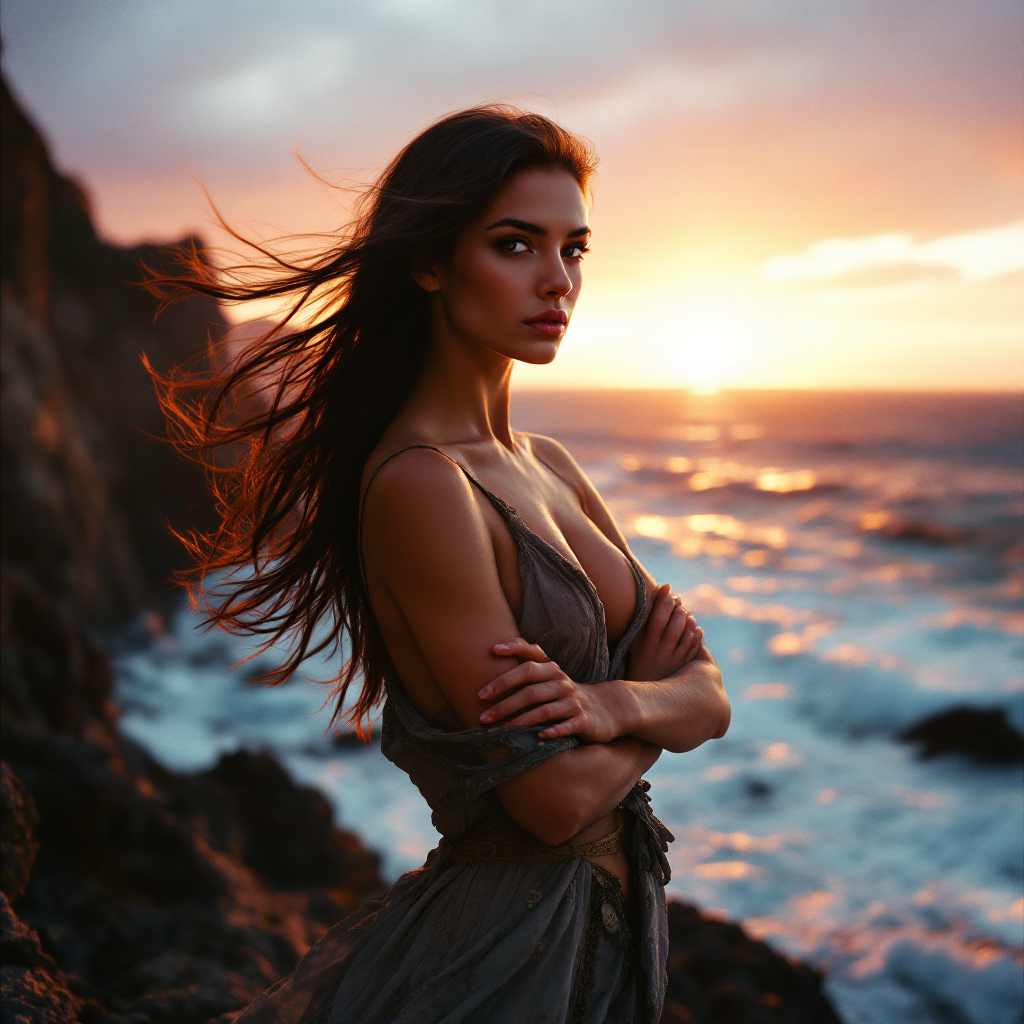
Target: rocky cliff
129, 894
88, 485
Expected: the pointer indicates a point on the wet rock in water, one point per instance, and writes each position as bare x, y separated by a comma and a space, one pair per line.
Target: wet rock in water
20, 847
923, 532
350, 740
718, 974
983, 735
917, 531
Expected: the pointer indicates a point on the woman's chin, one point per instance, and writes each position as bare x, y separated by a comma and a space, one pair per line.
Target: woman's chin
538, 353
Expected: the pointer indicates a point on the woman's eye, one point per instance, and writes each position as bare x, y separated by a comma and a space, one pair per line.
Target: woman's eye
514, 246
575, 251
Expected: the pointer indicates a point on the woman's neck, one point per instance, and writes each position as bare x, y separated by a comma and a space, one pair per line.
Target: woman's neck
463, 394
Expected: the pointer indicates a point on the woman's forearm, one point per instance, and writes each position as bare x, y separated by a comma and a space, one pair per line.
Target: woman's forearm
574, 789
677, 713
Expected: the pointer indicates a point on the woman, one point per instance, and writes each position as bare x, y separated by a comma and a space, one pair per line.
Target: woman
531, 670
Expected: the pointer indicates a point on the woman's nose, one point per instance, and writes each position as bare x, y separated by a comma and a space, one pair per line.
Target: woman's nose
556, 282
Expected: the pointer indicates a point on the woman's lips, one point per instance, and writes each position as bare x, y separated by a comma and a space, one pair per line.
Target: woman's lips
550, 323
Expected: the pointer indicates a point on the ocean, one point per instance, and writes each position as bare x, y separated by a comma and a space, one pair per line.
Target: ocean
857, 563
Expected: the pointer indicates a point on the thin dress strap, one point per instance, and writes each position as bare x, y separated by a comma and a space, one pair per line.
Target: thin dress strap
380, 465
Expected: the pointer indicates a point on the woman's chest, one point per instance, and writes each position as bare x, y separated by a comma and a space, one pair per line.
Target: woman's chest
579, 543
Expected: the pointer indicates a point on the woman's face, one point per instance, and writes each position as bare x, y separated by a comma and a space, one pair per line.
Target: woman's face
514, 276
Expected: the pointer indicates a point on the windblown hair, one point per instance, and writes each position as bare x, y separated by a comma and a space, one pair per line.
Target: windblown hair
286, 426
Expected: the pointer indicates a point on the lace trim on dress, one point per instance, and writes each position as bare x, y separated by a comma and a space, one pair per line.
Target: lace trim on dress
522, 849
607, 913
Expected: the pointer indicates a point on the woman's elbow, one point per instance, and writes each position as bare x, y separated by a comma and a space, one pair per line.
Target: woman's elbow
711, 725
552, 816
554, 833
725, 718
552, 826
720, 708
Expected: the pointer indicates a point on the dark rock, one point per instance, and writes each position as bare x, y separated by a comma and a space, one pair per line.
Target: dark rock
88, 486
55, 676
150, 911
249, 807
920, 531
104, 822
351, 741
34, 990
130, 898
717, 974
19, 834
288, 835
983, 735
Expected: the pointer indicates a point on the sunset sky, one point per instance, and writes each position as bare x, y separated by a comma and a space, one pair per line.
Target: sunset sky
791, 193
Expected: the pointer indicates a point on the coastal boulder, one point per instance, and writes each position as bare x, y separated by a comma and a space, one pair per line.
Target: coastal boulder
718, 974
56, 678
20, 819
141, 908
33, 989
137, 908
983, 735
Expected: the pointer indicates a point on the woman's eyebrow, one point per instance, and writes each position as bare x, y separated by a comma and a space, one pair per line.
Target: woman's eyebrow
522, 225
533, 229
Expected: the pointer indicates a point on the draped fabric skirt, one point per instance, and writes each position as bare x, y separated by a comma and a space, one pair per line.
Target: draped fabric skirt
474, 942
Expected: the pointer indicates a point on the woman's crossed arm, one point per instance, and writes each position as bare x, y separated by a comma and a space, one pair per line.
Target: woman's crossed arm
430, 547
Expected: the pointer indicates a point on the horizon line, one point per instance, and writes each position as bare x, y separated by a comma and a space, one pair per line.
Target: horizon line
817, 388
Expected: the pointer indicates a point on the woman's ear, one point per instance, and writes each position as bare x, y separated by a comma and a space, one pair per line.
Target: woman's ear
427, 273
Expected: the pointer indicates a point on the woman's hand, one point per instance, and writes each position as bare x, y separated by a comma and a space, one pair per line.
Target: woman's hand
539, 691
670, 638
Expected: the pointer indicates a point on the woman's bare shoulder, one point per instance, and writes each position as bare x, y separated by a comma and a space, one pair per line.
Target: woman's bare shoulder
414, 480
554, 455
429, 558
423, 529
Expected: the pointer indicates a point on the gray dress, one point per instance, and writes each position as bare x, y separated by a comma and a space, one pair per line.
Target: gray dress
490, 931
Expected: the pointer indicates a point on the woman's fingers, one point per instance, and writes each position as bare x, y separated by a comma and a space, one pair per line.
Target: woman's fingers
553, 711
691, 639
661, 611
524, 673
675, 628
663, 622
542, 692
517, 647
670, 639
689, 645
568, 727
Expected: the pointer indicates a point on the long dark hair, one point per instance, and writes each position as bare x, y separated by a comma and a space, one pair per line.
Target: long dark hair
285, 459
